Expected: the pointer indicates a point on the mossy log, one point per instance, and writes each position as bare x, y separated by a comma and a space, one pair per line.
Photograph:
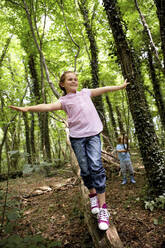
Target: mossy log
13, 175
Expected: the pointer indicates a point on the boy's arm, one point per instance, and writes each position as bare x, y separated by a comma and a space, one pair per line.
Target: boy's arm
40, 107
102, 90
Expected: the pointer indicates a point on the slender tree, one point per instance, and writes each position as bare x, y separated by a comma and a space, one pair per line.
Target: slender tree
120, 122
27, 135
156, 88
4, 128
160, 5
5, 50
148, 37
93, 61
156, 82
111, 116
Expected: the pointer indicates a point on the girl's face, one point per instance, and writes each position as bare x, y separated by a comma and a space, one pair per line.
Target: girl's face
71, 83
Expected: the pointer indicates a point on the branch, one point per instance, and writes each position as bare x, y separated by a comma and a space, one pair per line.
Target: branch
56, 119
5, 130
110, 155
15, 3
34, 19
40, 51
94, 12
86, 48
76, 56
146, 28
5, 49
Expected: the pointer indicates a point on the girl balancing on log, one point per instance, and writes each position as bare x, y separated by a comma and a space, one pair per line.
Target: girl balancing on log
85, 127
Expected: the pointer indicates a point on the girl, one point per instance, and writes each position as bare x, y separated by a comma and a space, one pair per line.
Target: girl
85, 127
125, 160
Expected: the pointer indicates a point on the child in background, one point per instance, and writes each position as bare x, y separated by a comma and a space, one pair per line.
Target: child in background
85, 127
125, 160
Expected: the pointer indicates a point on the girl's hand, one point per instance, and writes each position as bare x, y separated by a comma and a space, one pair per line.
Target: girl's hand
22, 109
125, 84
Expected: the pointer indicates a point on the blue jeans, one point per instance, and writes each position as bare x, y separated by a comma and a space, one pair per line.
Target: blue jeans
126, 165
88, 154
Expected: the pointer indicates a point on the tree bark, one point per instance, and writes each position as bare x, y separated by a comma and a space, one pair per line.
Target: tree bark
47, 138
157, 89
12, 174
43, 117
151, 49
93, 62
111, 116
108, 239
55, 92
27, 135
5, 50
32, 138
120, 122
70, 35
160, 4
153, 158
149, 37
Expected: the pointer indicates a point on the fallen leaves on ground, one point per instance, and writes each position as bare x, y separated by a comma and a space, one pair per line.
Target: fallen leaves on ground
56, 214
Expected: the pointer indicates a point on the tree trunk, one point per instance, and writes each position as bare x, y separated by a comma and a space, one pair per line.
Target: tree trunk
27, 134
120, 122
111, 116
5, 130
153, 158
157, 89
160, 4
47, 138
93, 61
148, 37
13, 145
32, 138
108, 239
5, 50
151, 49
12, 174
38, 48
43, 117
36, 92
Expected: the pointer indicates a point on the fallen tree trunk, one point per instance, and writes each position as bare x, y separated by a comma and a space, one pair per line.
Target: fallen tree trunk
110, 159
12, 174
101, 239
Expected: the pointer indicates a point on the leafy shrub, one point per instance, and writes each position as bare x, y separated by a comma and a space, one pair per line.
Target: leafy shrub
158, 203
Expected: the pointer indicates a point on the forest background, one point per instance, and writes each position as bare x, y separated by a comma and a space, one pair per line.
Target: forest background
104, 42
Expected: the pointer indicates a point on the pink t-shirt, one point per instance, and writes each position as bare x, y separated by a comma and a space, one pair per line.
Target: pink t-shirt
83, 119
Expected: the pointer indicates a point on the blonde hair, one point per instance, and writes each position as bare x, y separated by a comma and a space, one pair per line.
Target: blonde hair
62, 80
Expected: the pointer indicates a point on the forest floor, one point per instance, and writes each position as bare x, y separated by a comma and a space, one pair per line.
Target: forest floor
56, 215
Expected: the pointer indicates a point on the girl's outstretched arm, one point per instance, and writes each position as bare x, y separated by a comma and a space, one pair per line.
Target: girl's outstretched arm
102, 90
40, 107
